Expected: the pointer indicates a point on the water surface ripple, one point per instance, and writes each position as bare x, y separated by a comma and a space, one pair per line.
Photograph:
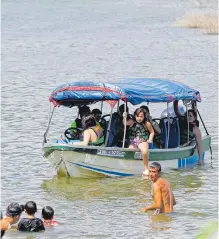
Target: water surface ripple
47, 43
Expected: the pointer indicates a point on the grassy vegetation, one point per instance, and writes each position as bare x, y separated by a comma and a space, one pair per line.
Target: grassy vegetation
207, 22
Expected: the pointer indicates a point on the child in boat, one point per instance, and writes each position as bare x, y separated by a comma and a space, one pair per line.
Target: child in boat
31, 223
140, 133
47, 217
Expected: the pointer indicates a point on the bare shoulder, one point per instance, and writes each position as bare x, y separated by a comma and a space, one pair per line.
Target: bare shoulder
163, 182
196, 130
148, 124
156, 186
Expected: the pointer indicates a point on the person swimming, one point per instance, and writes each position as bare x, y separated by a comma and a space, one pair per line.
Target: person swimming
47, 217
31, 223
163, 198
13, 213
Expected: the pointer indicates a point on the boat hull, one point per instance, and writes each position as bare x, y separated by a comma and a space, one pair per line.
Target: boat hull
97, 161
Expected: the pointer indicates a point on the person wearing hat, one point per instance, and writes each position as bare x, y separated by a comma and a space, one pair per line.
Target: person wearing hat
163, 198
13, 213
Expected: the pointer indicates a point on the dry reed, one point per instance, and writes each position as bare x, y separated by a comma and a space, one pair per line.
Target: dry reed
207, 22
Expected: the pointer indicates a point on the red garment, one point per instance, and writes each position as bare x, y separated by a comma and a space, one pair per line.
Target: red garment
49, 223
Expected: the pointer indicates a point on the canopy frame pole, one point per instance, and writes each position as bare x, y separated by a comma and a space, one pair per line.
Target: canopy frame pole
187, 119
49, 121
101, 107
118, 106
168, 122
108, 128
125, 123
206, 133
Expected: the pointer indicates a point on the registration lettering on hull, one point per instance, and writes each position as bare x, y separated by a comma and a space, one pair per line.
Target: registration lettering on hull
112, 153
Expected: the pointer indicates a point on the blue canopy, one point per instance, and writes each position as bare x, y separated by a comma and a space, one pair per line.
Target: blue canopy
134, 90
139, 90
77, 93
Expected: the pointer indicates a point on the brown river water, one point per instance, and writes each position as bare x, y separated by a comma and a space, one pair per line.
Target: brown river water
47, 43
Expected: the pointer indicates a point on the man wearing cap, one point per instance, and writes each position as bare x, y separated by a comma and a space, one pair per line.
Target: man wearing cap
13, 213
162, 195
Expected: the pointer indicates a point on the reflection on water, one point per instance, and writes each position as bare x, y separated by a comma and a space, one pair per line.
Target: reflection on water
85, 189
88, 189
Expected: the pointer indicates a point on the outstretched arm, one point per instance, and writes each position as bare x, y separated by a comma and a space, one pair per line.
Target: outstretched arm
198, 138
86, 140
174, 200
151, 132
126, 122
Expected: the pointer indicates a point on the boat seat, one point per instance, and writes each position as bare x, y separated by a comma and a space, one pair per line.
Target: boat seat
113, 132
174, 132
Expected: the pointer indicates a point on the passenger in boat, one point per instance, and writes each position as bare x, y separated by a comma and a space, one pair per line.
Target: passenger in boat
140, 133
194, 131
155, 125
163, 198
92, 132
83, 111
116, 132
97, 115
47, 217
31, 223
13, 213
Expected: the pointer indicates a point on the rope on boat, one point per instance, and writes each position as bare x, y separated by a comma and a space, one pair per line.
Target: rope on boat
206, 133
59, 163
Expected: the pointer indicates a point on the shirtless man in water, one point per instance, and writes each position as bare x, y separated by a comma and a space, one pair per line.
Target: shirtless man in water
163, 197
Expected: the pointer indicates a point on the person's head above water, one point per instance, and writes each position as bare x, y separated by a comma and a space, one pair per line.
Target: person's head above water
47, 213
13, 212
14, 209
154, 171
30, 208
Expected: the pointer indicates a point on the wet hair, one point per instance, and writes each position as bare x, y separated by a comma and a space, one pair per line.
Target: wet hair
14, 209
122, 109
47, 212
96, 111
145, 108
84, 110
88, 121
155, 165
30, 207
